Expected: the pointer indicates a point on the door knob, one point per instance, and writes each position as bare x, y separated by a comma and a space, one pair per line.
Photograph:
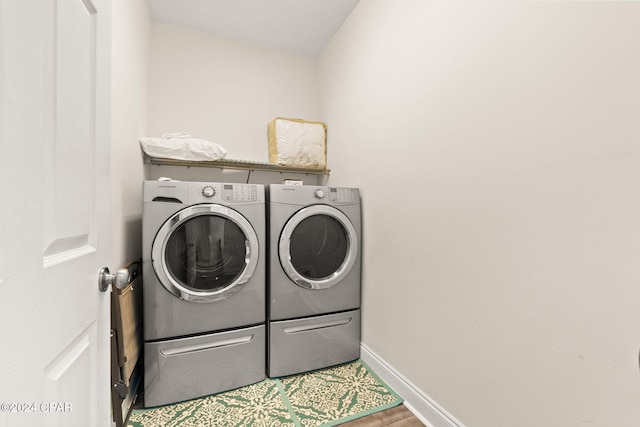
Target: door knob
120, 280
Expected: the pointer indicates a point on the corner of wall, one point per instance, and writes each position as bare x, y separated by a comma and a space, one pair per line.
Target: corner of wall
421, 405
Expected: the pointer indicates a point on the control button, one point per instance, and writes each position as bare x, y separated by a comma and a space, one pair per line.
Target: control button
319, 194
208, 191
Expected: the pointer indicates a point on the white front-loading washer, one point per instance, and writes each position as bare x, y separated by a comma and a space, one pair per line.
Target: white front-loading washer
314, 277
204, 248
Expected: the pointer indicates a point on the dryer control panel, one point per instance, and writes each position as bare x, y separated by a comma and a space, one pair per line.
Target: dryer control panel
303, 195
341, 195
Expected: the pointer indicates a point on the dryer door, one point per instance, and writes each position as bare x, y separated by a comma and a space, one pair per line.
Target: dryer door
205, 253
318, 247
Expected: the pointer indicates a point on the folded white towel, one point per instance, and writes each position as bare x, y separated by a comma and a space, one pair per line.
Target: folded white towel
183, 148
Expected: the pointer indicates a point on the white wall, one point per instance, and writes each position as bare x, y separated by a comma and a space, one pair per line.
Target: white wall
129, 121
496, 147
225, 90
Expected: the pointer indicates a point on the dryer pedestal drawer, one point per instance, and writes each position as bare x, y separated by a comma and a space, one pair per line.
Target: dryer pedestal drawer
310, 343
192, 367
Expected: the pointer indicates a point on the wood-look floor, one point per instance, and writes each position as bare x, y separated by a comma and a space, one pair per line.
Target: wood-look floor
398, 416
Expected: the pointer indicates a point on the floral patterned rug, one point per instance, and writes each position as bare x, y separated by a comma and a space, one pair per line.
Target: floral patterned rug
325, 397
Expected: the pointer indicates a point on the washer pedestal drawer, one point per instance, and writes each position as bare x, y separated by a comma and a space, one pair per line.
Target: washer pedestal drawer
310, 343
187, 368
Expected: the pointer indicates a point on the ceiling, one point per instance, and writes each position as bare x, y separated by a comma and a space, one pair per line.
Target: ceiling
303, 26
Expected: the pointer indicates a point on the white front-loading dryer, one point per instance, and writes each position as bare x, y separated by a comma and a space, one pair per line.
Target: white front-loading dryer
314, 277
204, 248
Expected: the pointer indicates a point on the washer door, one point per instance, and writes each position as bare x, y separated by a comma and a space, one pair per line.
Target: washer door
318, 247
205, 253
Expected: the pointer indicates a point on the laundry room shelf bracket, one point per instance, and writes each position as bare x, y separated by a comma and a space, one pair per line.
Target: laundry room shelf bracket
236, 164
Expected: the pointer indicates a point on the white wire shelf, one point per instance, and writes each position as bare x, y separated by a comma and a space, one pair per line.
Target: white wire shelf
236, 164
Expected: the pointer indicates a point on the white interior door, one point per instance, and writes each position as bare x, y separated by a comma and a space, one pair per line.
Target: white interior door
54, 212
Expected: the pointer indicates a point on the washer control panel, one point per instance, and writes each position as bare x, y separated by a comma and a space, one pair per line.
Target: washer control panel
239, 193
215, 192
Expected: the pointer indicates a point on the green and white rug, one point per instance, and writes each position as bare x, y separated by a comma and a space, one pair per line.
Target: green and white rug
325, 397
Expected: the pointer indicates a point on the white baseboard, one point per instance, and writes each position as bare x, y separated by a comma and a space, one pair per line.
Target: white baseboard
421, 405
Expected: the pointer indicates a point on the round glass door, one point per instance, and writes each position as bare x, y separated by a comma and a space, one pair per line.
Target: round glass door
318, 247
205, 253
